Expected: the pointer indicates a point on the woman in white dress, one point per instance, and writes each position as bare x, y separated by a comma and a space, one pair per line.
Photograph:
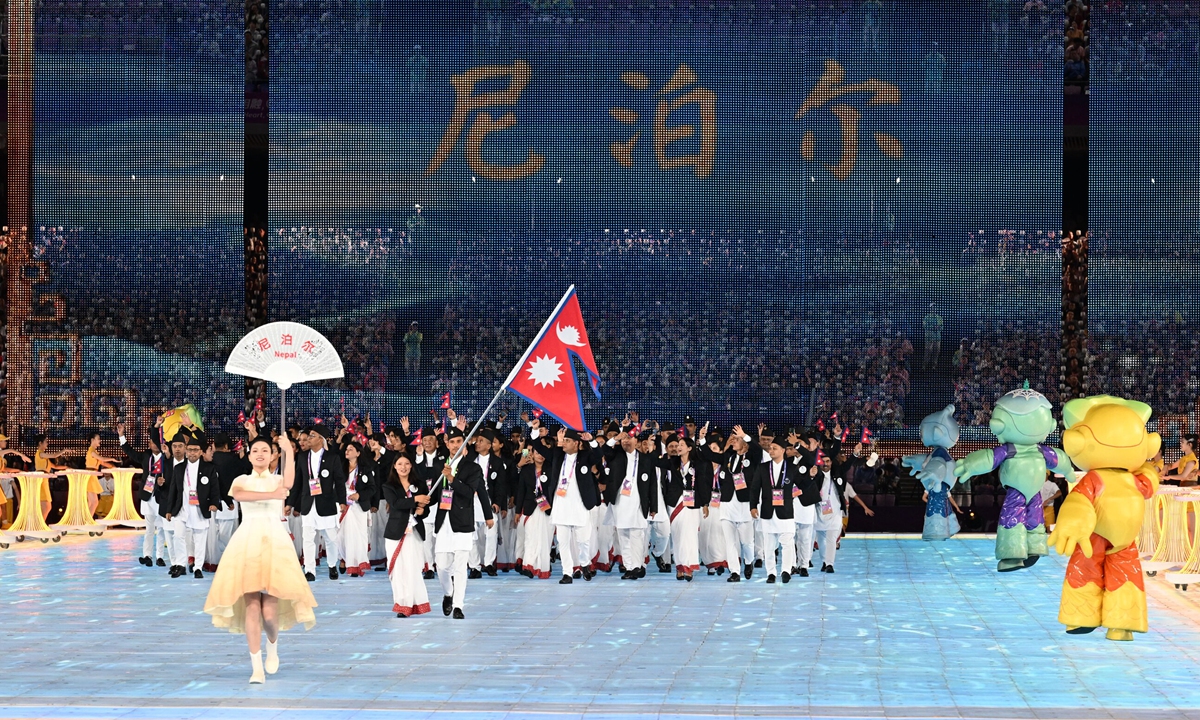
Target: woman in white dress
408, 499
685, 516
354, 530
259, 584
532, 503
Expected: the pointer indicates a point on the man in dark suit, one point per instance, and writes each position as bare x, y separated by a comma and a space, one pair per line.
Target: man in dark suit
571, 468
224, 521
461, 483
431, 457
495, 477
629, 477
154, 465
739, 507
779, 480
317, 497
193, 495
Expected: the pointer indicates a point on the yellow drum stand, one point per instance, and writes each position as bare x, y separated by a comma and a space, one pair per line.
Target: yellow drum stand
1174, 543
1190, 572
1151, 532
29, 523
124, 509
77, 518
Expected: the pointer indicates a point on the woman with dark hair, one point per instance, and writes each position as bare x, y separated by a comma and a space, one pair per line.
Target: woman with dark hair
259, 584
408, 501
1185, 468
532, 511
41, 463
680, 495
354, 524
95, 461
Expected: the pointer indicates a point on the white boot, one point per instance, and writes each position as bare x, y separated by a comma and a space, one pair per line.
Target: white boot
272, 663
257, 664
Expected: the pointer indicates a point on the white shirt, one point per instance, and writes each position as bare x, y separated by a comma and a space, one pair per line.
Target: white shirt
482, 461
627, 511
569, 510
735, 510
314, 463
776, 524
191, 486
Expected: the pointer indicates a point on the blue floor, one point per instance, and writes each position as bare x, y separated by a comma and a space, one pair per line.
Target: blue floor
904, 629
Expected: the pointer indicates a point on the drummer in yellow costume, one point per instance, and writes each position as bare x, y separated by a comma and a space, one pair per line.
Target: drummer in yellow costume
259, 584
1101, 517
95, 461
1185, 468
41, 463
6, 509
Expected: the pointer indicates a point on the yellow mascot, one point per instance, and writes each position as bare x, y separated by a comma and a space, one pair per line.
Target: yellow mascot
1100, 519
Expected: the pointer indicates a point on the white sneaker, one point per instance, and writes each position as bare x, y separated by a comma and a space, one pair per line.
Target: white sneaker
256, 663
272, 663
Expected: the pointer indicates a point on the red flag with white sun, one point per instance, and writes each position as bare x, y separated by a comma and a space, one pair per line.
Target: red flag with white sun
546, 375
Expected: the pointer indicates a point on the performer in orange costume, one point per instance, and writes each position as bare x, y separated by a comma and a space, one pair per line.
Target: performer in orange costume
1101, 517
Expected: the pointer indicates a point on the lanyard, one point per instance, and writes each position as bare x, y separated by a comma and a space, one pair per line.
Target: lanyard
566, 476
782, 469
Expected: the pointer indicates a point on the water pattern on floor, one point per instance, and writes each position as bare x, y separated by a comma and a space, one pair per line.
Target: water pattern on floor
905, 628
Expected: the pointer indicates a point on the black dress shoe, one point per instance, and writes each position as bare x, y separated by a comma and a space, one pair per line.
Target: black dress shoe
758, 563
491, 570
474, 574
198, 575
577, 574
146, 561
720, 571
733, 577
333, 573
810, 563
458, 614
787, 577
629, 575
829, 569
429, 575
310, 577
588, 574
688, 578
566, 580
381, 568
161, 563
749, 571
823, 567
803, 572
770, 579
447, 605
401, 615
641, 572
712, 571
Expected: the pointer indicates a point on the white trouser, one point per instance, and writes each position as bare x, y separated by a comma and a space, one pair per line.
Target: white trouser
156, 532
660, 538
310, 546
633, 547
295, 526
185, 536
572, 546
483, 547
739, 544
773, 540
506, 541
760, 542
828, 542
804, 543
220, 530
452, 573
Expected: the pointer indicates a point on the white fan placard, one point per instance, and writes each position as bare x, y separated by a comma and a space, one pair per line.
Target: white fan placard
285, 353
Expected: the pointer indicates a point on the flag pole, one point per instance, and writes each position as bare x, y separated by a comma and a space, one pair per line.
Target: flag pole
512, 376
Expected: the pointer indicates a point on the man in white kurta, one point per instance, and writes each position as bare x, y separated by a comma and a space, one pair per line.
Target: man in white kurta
778, 532
569, 515
632, 526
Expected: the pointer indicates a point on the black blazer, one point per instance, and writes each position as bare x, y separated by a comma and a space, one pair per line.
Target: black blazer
367, 485
401, 507
429, 474
230, 467
146, 461
333, 484
585, 474
731, 464
468, 483
208, 489
525, 502
793, 479
496, 482
617, 465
